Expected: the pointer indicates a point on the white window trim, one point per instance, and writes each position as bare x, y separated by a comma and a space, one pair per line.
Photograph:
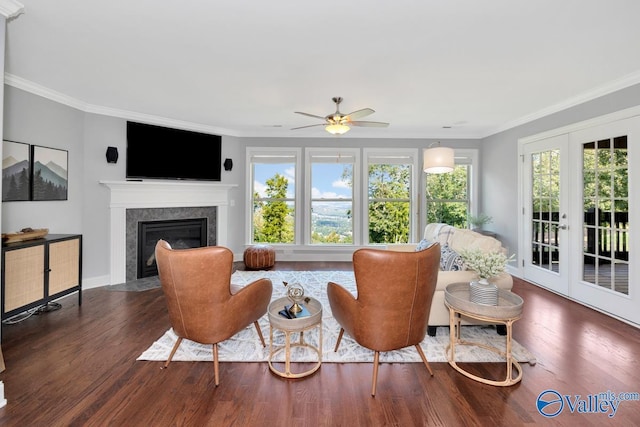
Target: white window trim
357, 210
295, 154
462, 156
470, 156
393, 155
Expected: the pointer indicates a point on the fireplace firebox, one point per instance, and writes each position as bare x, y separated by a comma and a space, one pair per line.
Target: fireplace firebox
181, 234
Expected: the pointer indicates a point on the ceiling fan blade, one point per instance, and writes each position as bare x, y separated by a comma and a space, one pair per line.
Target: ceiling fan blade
310, 115
369, 124
309, 126
360, 113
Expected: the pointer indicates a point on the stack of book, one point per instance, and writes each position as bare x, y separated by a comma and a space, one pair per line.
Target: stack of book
294, 315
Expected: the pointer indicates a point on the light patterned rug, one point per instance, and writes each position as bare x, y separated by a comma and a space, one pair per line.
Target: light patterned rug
245, 346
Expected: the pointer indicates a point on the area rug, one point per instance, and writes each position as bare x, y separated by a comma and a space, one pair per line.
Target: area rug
246, 347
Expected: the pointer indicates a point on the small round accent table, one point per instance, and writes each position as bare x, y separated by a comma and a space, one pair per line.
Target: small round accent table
508, 310
259, 257
289, 327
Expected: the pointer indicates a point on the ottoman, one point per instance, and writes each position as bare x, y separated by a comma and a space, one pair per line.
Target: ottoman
259, 257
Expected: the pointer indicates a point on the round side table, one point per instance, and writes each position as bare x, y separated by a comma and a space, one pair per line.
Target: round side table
508, 310
289, 327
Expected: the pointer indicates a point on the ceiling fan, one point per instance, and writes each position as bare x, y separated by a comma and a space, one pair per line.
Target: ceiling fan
338, 123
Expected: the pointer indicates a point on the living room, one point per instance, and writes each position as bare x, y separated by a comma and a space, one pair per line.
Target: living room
35, 113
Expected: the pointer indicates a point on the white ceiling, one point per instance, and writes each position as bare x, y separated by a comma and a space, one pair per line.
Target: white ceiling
242, 67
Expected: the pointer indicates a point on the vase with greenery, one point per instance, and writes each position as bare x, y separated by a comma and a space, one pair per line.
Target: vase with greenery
486, 264
479, 221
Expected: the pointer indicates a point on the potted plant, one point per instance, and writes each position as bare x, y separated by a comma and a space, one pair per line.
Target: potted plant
486, 265
479, 221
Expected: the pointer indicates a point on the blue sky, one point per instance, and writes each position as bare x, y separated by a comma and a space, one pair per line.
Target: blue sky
326, 179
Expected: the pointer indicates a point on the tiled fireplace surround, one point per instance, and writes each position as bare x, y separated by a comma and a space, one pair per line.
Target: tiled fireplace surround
133, 201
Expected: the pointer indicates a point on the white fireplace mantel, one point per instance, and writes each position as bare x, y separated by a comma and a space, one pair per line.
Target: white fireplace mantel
159, 194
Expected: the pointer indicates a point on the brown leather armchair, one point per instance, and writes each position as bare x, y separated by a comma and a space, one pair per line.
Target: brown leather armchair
391, 311
203, 305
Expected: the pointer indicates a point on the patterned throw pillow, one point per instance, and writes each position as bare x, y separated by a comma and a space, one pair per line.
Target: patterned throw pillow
424, 244
450, 260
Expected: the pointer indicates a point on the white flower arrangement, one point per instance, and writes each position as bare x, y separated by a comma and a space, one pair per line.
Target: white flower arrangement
486, 264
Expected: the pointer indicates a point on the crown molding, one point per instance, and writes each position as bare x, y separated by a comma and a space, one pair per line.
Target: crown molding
610, 87
39, 90
11, 8
36, 89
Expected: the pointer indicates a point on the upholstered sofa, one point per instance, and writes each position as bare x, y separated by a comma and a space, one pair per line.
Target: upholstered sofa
453, 240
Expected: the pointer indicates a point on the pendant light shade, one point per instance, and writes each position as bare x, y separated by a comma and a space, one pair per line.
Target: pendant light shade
438, 160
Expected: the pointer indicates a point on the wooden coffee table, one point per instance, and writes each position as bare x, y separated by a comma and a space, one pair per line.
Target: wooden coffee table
508, 310
289, 327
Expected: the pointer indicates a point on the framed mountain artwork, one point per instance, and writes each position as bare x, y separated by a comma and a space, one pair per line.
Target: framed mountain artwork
16, 171
49, 168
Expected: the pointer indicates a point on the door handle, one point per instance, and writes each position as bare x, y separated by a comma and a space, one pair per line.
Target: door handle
563, 227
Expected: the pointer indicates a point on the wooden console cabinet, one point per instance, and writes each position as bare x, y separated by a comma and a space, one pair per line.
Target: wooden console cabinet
35, 272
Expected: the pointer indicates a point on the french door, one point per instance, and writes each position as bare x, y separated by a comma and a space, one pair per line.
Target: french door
546, 256
579, 206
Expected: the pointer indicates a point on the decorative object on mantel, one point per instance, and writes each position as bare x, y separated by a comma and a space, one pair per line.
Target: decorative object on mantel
486, 265
24, 234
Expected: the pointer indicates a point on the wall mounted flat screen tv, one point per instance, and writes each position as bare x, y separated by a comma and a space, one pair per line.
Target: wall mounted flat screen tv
156, 152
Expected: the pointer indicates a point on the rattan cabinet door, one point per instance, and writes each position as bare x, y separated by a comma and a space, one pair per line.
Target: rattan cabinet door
64, 265
23, 277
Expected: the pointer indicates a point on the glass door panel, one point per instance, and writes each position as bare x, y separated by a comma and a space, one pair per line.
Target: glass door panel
546, 213
606, 214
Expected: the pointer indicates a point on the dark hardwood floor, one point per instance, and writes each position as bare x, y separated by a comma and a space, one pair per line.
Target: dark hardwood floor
77, 367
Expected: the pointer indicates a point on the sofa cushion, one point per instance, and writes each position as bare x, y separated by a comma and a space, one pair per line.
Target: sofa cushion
450, 260
439, 232
464, 239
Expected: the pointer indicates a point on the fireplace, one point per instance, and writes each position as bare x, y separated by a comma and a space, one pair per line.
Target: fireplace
156, 216
131, 197
181, 234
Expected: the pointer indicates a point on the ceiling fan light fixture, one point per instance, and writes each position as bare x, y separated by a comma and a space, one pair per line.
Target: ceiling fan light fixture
337, 128
438, 160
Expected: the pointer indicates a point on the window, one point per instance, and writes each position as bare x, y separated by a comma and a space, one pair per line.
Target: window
449, 196
272, 185
337, 197
330, 195
389, 178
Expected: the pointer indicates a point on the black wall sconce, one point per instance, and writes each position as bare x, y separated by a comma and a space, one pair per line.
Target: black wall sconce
228, 164
112, 154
